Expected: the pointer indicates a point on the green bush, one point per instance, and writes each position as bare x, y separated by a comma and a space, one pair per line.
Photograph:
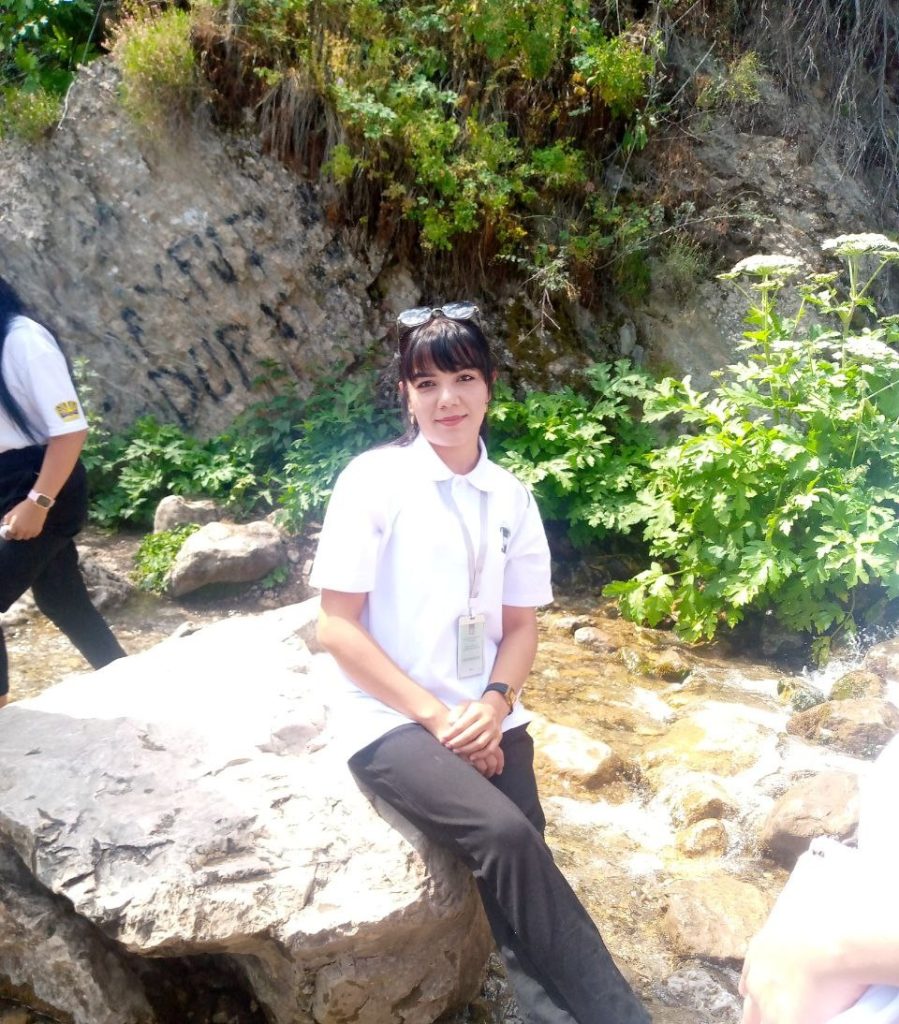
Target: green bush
583, 453
160, 76
339, 421
42, 41
28, 115
784, 496
156, 555
129, 474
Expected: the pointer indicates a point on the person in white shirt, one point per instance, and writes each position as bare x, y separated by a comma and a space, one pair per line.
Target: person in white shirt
43, 492
829, 951
431, 563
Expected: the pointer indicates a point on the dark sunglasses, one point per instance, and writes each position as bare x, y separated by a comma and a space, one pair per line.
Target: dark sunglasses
410, 318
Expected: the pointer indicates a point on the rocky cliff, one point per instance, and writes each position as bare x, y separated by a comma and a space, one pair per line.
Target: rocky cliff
184, 272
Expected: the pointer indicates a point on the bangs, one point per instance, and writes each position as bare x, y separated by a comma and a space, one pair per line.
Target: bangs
445, 345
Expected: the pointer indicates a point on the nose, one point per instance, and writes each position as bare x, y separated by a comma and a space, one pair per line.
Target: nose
447, 394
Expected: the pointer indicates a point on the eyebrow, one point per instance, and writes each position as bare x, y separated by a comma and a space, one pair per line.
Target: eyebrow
433, 371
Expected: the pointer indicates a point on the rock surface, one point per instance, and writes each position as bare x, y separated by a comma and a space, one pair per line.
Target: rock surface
827, 804
226, 553
860, 727
714, 917
178, 271
199, 805
174, 510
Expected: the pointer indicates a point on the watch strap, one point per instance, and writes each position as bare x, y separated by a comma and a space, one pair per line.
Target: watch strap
508, 693
41, 500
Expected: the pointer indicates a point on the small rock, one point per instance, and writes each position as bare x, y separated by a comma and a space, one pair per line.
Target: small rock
859, 727
707, 838
694, 797
824, 805
710, 993
799, 693
578, 758
570, 624
595, 640
714, 917
173, 511
669, 665
226, 553
884, 660
858, 684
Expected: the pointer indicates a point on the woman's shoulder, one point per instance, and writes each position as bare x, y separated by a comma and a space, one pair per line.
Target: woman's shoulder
26, 335
376, 467
509, 486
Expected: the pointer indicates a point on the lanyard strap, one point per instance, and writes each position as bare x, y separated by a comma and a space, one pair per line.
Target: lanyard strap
475, 565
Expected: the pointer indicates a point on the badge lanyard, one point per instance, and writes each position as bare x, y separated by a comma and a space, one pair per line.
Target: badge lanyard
470, 635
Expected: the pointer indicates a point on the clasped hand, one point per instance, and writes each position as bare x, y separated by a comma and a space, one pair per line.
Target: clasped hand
473, 730
24, 521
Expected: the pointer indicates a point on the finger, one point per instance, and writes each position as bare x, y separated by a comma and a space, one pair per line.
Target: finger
465, 731
479, 746
751, 1014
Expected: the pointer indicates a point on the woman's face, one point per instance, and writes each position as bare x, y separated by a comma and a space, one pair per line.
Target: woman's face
449, 407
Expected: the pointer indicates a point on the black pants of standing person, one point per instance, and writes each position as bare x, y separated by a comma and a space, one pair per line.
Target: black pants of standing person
558, 965
48, 563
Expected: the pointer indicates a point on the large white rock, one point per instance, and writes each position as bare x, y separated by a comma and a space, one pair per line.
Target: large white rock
193, 800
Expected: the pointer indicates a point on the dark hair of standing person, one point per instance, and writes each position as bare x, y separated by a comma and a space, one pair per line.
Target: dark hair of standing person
446, 345
11, 306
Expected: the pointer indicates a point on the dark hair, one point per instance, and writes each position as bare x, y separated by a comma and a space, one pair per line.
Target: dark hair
447, 345
11, 306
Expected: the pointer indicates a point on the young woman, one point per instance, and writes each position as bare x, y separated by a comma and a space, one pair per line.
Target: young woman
43, 495
431, 563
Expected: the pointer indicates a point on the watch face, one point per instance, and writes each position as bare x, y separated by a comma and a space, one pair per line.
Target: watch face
43, 501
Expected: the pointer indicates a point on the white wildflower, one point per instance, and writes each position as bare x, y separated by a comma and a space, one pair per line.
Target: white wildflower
866, 347
762, 265
859, 245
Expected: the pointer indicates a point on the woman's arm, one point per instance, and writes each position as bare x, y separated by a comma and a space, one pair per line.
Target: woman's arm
833, 932
26, 520
342, 634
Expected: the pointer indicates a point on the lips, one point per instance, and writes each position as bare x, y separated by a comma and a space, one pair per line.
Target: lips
450, 421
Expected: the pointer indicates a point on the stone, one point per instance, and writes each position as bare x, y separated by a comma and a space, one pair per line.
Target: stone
826, 804
857, 684
194, 800
693, 797
595, 639
708, 838
884, 660
799, 693
47, 953
860, 727
706, 990
669, 665
714, 917
717, 739
226, 553
174, 511
573, 756
570, 624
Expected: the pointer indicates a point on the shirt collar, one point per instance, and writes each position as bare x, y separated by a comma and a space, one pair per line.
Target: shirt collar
483, 476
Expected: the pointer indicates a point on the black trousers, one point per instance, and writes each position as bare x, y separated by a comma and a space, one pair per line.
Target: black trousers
49, 562
558, 965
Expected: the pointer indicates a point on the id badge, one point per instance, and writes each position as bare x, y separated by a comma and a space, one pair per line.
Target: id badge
470, 646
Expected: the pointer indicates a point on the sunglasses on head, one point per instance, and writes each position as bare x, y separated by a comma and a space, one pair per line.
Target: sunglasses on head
410, 318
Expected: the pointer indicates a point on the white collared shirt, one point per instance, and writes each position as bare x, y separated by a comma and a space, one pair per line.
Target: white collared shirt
36, 374
389, 534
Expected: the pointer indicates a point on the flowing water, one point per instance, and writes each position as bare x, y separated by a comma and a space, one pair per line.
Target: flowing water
617, 844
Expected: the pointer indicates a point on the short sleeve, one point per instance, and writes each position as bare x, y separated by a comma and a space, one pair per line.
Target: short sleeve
526, 583
353, 533
40, 381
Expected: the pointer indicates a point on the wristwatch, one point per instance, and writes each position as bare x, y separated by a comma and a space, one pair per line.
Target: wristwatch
43, 501
509, 695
